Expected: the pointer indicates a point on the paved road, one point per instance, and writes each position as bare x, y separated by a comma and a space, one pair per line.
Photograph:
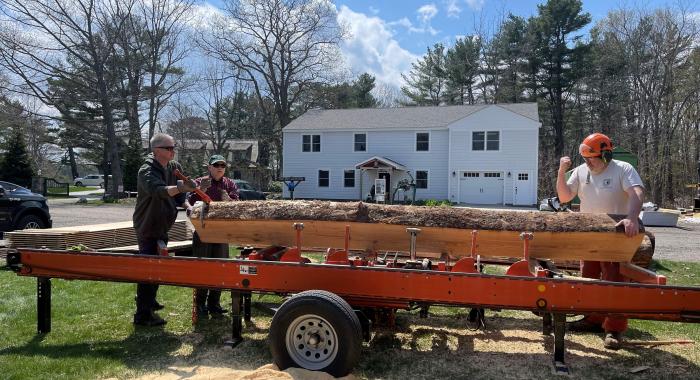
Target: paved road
681, 243
66, 213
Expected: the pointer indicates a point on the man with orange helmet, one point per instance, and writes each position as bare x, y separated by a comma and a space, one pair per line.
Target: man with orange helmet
608, 186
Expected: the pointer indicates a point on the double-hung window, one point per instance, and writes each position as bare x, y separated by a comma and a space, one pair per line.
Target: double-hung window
311, 143
360, 143
422, 142
349, 178
323, 178
421, 179
486, 140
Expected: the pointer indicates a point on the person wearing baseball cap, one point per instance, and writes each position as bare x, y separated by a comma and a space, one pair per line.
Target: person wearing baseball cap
218, 188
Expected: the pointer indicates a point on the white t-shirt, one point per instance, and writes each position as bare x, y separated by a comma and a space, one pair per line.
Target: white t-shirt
606, 192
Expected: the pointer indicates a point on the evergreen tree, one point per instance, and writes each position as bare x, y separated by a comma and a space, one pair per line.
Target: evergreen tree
425, 83
508, 45
461, 69
362, 92
558, 50
16, 166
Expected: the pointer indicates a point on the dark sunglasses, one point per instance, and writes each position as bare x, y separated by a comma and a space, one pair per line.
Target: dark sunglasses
219, 165
168, 148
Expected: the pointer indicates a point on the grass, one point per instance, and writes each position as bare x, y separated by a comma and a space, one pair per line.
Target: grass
92, 337
73, 189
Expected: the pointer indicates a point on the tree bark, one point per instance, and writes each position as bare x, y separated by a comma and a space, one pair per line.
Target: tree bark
441, 217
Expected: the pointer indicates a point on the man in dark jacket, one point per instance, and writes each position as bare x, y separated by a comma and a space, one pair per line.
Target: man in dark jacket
159, 193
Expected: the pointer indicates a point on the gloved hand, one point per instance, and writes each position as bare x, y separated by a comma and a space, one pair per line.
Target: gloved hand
204, 184
186, 186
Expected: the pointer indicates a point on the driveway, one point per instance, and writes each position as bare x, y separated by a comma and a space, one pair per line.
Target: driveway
66, 213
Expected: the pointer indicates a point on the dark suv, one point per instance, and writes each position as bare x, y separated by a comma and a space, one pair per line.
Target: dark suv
246, 191
21, 209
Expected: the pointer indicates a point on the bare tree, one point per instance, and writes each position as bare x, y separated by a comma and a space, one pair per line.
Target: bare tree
659, 48
164, 27
281, 47
43, 36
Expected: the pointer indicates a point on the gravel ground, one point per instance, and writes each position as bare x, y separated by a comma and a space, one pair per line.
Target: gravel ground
680, 243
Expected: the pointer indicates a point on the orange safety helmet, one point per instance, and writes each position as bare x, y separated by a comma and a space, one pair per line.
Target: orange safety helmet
596, 145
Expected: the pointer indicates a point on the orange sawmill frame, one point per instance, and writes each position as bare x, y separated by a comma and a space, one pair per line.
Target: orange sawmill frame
363, 283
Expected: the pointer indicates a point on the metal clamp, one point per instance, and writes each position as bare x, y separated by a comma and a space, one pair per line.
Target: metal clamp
414, 233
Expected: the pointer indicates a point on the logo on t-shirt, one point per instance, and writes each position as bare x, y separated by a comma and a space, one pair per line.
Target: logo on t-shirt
607, 183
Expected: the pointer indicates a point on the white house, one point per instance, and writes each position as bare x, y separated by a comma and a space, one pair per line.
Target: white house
479, 154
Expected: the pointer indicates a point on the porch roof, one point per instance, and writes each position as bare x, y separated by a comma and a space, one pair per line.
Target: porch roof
377, 162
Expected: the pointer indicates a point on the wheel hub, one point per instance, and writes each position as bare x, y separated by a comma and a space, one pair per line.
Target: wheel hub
312, 342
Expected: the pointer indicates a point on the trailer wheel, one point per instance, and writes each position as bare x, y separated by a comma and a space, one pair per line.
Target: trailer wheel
316, 330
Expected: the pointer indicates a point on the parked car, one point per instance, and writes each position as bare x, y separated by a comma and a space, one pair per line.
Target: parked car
91, 180
22, 209
247, 192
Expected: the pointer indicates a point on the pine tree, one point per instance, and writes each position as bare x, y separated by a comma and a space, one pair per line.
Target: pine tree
462, 68
16, 166
425, 83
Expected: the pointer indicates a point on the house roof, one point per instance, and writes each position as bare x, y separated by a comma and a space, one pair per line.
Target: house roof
398, 118
377, 162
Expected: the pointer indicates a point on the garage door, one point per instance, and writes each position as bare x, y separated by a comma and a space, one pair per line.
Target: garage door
484, 188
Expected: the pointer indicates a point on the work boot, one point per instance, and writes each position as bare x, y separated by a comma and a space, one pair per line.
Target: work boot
202, 312
156, 305
216, 309
582, 325
613, 340
149, 320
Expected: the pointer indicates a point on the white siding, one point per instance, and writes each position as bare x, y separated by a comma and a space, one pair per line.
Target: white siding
337, 155
450, 151
517, 151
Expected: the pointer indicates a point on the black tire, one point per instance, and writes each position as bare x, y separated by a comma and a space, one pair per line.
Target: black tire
316, 330
30, 221
79, 184
102, 185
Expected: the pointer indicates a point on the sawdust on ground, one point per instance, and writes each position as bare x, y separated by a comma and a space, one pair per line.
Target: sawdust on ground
511, 346
268, 372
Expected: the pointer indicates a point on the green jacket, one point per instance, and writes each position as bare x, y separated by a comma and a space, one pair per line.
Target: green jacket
155, 210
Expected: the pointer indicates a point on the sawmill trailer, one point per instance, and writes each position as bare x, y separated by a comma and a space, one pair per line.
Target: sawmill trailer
333, 304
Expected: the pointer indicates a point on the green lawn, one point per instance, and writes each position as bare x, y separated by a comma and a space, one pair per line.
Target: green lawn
73, 189
93, 337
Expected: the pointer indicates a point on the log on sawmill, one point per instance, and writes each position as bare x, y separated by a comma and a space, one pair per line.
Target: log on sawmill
444, 230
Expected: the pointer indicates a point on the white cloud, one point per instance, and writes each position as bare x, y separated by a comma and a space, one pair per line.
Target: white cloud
427, 12
406, 23
202, 16
372, 48
475, 4
373, 10
453, 10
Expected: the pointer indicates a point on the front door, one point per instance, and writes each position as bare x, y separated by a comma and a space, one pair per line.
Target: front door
387, 179
523, 188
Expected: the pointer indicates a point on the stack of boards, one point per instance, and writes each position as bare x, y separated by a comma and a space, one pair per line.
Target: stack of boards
444, 230
96, 236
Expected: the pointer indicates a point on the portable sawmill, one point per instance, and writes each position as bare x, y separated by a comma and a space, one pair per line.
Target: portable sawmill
379, 259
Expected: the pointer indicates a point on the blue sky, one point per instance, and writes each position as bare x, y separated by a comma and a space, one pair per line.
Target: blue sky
386, 36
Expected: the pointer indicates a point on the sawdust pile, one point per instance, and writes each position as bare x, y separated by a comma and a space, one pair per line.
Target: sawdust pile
267, 372
443, 217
